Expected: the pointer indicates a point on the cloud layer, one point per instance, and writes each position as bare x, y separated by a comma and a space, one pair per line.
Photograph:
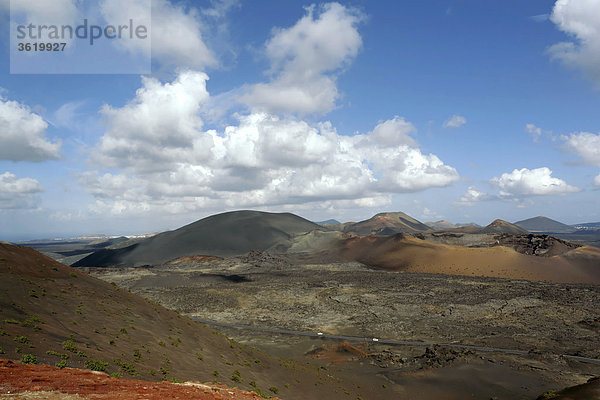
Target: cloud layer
455, 121
579, 19
23, 134
304, 59
18, 193
167, 160
531, 182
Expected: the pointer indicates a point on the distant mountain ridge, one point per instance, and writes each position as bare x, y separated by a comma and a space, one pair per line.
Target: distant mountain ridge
544, 224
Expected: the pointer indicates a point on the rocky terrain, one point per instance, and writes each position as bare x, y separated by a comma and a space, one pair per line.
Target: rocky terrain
53, 314
545, 321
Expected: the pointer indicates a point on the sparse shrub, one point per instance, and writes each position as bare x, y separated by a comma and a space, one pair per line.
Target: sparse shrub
137, 355
161, 343
164, 371
1, 350
111, 341
116, 375
215, 373
96, 365
32, 293
123, 331
61, 364
176, 380
69, 345
22, 339
29, 359
252, 383
81, 353
74, 275
274, 389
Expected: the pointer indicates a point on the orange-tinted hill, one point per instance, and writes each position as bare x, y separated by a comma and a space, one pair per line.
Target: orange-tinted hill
500, 226
407, 253
56, 315
387, 223
53, 383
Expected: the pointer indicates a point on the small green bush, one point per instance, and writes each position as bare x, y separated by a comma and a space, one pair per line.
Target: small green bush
29, 359
22, 339
96, 365
274, 389
61, 364
69, 345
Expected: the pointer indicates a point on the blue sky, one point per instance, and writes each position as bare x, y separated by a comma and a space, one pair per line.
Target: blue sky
456, 110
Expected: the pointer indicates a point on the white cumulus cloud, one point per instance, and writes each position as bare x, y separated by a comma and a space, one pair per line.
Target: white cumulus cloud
579, 19
584, 144
531, 182
176, 32
455, 121
472, 196
18, 193
23, 134
166, 160
304, 60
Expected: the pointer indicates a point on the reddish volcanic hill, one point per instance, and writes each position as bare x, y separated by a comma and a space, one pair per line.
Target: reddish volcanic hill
407, 253
46, 382
387, 223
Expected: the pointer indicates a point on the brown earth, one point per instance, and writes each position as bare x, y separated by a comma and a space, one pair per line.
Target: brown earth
29, 381
410, 254
65, 317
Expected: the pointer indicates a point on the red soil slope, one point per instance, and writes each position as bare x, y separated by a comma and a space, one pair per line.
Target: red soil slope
20, 379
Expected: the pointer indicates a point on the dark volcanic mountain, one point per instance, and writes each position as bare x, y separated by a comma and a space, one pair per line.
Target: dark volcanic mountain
227, 234
544, 224
388, 223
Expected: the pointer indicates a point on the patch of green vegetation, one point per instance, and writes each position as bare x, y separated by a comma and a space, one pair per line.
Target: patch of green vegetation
137, 355
252, 383
164, 371
61, 364
69, 345
2, 351
550, 394
123, 331
128, 368
74, 275
111, 341
274, 389
96, 365
32, 293
29, 359
21, 339
236, 378
11, 321
161, 343
199, 356
116, 375
81, 354
176, 380
215, 373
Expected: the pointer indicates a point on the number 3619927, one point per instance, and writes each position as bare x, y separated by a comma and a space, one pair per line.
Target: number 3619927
41, 46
